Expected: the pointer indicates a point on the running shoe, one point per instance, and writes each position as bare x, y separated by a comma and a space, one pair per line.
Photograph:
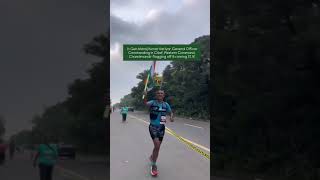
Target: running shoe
154, 171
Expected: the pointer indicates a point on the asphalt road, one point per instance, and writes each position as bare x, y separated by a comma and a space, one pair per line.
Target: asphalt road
131, 145
84, 168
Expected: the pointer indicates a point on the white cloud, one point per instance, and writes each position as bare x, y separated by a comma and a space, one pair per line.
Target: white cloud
136, 11
115, 52
153, 14
189, 2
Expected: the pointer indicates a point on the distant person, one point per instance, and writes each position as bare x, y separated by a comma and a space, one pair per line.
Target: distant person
3, 148
46, 157
12, 148
107, 112
124, 111
158, 112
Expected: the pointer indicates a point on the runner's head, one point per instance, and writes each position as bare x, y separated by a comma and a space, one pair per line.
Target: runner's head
160, 95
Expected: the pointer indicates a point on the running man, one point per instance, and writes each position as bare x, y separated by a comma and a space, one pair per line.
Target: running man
158, 111
124, 111
46, 158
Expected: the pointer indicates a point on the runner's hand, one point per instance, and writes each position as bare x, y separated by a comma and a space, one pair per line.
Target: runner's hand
171, 119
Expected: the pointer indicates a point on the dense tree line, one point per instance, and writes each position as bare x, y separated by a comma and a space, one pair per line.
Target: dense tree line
185, 83
79, 119
266, 88
127, 100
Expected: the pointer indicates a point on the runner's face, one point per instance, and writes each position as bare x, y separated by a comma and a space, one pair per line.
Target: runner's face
160, 95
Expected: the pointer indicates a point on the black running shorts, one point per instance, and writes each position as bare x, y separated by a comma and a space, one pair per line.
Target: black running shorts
157, 131
124, 116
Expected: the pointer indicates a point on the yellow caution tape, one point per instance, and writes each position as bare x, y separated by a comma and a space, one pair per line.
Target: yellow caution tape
190, 145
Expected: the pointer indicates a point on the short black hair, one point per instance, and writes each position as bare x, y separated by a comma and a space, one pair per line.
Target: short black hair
159, 90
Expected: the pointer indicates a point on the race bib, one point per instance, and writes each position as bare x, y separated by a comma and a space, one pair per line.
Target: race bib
163, 120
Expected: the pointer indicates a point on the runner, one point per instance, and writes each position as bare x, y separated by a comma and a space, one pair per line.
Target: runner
158, 111
124, 112
47, 156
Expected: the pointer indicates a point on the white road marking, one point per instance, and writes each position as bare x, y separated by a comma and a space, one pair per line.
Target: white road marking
193, 126
200, 146
71, 173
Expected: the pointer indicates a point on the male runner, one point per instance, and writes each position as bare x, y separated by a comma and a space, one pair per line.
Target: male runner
158, 111
124, 112
46, 157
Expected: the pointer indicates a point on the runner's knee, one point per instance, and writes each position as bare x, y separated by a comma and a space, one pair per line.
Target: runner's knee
157, 146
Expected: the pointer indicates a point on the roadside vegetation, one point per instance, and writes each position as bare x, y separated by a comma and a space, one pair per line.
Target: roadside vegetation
79, 119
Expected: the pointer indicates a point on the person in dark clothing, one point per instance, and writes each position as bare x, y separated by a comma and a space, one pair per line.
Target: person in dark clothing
46, 156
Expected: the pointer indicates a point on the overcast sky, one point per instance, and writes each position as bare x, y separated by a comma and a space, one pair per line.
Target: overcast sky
151, 21
41, 52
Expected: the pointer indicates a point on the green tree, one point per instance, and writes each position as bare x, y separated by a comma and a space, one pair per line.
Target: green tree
127, 100
89, 97
79, 119
23, 137
55, 122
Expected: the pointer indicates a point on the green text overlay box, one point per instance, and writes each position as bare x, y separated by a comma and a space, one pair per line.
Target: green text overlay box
163, 52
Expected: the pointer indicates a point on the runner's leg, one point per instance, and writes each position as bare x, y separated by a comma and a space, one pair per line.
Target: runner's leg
49, 172
42, 171
160, 134
156, 148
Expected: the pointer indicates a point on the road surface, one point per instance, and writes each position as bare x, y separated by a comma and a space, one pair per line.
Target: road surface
131, 145
83, 168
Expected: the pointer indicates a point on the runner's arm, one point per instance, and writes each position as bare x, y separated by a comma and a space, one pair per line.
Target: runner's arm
170, 113
145, 101
171, 116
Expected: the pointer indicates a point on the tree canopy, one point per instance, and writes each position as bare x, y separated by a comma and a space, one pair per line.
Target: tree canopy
79, 118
